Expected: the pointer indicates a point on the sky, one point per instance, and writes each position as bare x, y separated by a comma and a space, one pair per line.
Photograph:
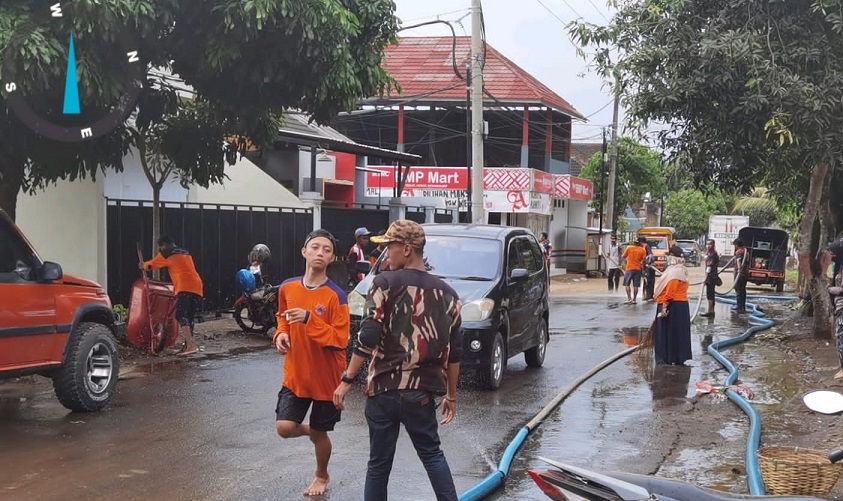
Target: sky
533, 34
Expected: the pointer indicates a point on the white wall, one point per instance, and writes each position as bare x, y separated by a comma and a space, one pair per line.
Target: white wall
66, 224
557, 234
131, 183
247, 185
324, 170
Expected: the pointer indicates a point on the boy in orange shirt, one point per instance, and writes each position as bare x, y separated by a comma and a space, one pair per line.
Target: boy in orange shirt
313, 323
186, 283
634, 255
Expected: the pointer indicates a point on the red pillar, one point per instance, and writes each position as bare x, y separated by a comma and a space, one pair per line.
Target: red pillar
548, 139
400, 128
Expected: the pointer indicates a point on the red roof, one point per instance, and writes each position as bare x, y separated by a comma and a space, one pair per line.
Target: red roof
423, 66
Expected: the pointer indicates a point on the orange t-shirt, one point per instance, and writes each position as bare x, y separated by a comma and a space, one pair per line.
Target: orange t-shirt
181, 268
675, 290
634, 255
316, 358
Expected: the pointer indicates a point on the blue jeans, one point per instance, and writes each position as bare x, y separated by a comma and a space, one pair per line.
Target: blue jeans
385, 412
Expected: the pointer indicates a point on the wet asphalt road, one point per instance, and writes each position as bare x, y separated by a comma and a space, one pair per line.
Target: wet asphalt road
204, 429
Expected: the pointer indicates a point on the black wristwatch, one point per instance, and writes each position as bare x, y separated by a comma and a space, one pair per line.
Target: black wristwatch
346, 379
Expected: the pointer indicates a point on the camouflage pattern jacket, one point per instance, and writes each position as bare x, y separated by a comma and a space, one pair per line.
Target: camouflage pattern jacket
836, 291
411, 331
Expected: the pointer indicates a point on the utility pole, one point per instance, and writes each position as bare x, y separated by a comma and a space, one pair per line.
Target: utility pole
613, 164
467, 142
602, 199
478, 211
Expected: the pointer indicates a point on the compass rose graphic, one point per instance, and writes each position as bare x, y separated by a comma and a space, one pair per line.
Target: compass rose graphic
70, 122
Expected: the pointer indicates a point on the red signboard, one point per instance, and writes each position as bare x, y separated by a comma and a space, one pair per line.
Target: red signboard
420, 178
543, 182
581, 189
573, 188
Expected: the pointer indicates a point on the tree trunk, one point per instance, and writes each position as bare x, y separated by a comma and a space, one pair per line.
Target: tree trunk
814, 234
11, 178
156, 223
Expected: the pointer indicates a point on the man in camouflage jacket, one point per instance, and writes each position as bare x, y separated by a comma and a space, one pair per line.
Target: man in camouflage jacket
836, 291
411, 332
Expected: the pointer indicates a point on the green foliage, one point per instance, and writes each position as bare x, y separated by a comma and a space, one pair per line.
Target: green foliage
688, 211
247, 61
120, 312
638, 173
751, 90
759, 206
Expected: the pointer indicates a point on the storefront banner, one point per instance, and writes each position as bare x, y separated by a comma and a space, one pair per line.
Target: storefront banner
543, 182
574, 188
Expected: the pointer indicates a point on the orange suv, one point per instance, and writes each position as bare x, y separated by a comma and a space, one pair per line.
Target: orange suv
55, 325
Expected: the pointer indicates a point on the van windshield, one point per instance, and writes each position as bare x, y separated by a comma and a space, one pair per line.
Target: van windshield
657, 243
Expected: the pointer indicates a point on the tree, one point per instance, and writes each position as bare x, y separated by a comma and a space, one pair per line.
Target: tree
688, 211
761, 209
751, 91
638, 173
247, 60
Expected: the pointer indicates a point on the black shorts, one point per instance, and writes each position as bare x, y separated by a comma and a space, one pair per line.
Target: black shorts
323, 414
709, 289
632, 277
187, 306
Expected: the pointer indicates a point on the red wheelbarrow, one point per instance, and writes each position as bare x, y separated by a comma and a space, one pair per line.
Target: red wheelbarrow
151, 321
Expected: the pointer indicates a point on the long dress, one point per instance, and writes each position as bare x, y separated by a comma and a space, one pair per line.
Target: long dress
673, 332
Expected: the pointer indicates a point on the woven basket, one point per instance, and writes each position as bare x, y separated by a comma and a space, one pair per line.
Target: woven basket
795, 471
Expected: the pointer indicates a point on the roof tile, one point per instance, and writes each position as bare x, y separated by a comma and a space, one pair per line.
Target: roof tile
423, 66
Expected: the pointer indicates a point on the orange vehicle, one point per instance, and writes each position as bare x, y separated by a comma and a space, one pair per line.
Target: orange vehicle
660, 239
55, 325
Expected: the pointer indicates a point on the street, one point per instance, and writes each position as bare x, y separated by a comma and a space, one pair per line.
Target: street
204, 428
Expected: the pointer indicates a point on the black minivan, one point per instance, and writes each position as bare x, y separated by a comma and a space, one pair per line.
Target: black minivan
500, 275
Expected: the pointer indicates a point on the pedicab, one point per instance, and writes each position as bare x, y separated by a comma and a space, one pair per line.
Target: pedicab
151, 322
766, 255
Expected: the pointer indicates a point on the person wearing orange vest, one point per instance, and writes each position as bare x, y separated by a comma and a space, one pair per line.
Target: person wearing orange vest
313, 324
634, 255
187, 285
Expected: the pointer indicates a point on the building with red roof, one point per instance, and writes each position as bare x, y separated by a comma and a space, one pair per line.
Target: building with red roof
528, 125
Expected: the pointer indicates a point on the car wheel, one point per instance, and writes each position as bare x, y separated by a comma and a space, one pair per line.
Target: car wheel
243, 317
535, 355
492, 373
87, 379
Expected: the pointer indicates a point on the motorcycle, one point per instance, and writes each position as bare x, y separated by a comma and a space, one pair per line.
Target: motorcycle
255, 309
566, 483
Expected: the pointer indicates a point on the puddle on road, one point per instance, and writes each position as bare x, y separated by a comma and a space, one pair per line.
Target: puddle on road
721, 469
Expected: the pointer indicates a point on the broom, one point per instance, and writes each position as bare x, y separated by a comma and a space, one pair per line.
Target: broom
648, 341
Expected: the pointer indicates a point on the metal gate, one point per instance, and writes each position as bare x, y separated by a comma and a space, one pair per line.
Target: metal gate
218, 236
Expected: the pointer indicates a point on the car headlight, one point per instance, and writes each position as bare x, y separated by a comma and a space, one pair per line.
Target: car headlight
356, 303
476, 311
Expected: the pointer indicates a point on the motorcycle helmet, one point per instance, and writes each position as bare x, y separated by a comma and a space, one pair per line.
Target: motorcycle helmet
260, 253
246, 280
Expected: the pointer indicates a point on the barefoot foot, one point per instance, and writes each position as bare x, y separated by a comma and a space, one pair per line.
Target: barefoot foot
318, 486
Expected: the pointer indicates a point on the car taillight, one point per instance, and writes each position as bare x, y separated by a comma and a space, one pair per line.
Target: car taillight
549, 489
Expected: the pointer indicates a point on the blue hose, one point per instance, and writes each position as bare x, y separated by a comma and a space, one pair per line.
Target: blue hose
756, 483
496, 478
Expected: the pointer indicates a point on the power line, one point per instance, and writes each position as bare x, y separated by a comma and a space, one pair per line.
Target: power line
599, 11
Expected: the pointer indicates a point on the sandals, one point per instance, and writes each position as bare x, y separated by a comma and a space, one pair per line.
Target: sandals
185, 353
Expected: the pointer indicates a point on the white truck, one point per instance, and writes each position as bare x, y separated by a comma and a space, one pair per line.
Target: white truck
723, 229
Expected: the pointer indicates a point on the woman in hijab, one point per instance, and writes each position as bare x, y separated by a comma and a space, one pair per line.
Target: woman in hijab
673, 317
836, 291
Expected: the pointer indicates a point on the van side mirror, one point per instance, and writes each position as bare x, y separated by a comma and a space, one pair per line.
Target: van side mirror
49, 272
519, 274
363, 267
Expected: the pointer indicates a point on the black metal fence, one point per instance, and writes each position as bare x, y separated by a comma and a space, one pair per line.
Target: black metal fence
218, 236
341, 221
